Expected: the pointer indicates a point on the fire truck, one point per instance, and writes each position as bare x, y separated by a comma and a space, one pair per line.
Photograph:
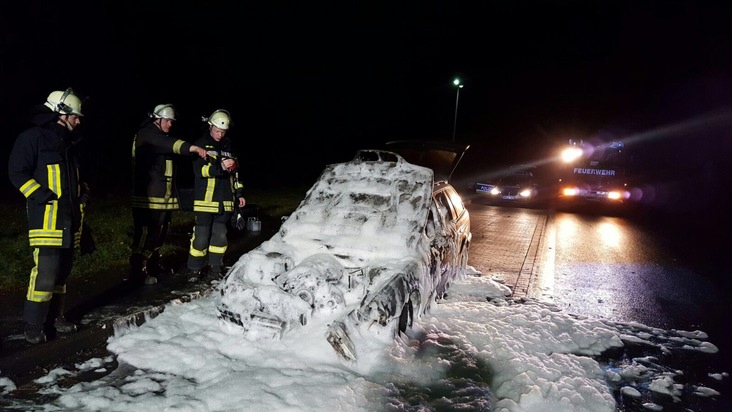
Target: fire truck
594, 172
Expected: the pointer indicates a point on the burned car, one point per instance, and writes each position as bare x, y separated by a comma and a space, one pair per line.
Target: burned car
373, 244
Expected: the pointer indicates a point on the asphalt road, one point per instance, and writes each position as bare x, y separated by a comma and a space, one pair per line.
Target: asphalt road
601, 265
620, 268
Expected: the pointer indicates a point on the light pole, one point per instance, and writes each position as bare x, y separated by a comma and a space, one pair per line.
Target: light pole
459, 85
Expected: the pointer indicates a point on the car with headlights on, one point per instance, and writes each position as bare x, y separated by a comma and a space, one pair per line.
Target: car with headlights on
519, 186
376, 242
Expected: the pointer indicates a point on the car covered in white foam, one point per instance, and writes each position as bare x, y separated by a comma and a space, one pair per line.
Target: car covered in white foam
375, 242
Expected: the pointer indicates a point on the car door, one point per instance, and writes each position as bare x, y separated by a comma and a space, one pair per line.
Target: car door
444, 245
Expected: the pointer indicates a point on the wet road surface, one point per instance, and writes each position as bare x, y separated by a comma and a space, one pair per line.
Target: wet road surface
605, 266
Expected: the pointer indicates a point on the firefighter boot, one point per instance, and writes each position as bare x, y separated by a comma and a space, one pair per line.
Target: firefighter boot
34, 333
193, 275
213, 274
194, 268
137, 268
155, 266
34, 313
56, 313
138, 271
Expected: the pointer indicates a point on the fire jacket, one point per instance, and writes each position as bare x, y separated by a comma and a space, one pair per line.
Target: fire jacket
214, 189
154, 168
44, 167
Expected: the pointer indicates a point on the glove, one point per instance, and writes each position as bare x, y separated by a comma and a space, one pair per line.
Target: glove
232, 165
87, 245
85, 197
237, 219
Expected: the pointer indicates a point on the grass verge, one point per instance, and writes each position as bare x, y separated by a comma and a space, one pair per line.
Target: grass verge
111, 221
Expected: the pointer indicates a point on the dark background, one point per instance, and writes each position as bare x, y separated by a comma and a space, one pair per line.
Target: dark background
310, 83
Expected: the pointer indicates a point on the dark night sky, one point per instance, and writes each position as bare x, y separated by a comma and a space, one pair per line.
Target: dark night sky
336, 78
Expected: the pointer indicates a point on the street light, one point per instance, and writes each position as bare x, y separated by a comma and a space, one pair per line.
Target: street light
457, 83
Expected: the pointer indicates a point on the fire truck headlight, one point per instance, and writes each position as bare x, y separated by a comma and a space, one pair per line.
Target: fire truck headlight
570, 191
571, 154
614, 195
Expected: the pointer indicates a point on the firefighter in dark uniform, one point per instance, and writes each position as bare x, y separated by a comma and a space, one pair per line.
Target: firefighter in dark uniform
44, 166
154, 196
216, 191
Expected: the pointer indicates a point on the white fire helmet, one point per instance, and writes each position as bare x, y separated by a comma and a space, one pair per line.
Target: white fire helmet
221, 119
64, 102
164, 111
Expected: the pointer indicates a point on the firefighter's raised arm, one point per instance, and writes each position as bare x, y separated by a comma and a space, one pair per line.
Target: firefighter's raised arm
201, 152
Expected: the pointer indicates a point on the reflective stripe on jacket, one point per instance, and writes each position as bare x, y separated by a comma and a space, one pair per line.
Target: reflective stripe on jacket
154, 168
44, 168
214, 189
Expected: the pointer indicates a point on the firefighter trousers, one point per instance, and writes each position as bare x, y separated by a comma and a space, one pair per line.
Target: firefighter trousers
150, 232
209, 242
47, 282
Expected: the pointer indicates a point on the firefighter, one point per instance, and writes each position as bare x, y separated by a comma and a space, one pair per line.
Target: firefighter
216, 191
154, 196
44, 167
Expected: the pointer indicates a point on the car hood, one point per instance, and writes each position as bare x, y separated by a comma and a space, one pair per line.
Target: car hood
442, 157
